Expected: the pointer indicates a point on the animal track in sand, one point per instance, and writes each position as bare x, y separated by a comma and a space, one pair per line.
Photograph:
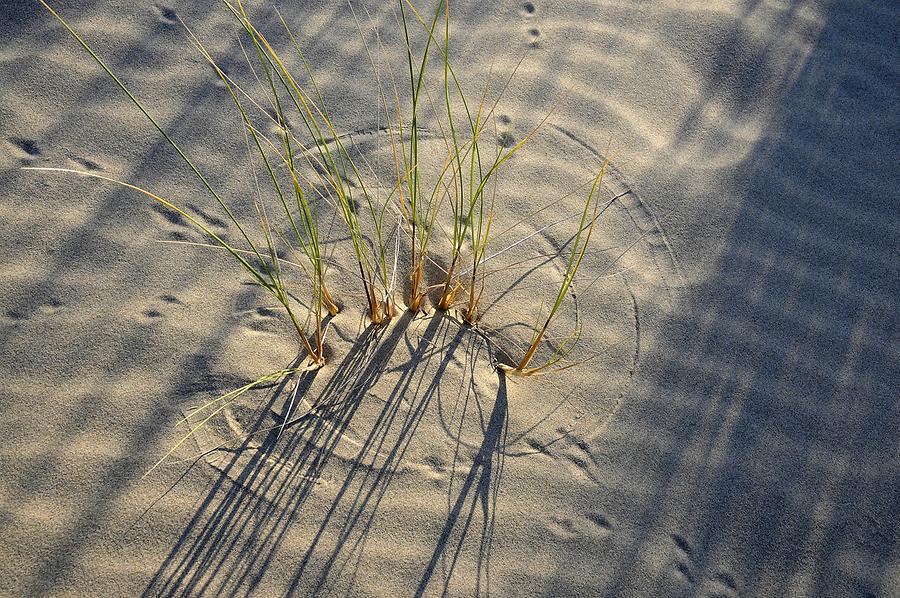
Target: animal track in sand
722, 586
590, 525
718, 589
170, 216
258, 319
562, 527
86, 164
217, 82
506, 140
538, 447
683, 559
265, 320
158, 308
211, 221
579, 456
179, 229
46, 308
685, 569
505, 137
533, 34
26, 150
433, 468
682, 545
601, 521
165, 14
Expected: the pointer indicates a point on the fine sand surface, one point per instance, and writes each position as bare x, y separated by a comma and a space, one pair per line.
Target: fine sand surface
733, 430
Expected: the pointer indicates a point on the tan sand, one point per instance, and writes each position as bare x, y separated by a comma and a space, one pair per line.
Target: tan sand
733, 430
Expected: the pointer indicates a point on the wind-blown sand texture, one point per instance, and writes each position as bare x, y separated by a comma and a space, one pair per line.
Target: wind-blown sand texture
734, 432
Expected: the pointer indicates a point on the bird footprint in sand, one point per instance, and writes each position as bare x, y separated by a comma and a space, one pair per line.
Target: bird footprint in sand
178, 227
260, 319
579, 455
25, 150
533, 34
166, 14
684, 559
159, 308
85, 164
721, 585
590, 525
504, 136
48, 307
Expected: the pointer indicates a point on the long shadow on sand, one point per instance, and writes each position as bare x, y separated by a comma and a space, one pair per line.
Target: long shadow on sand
231, 542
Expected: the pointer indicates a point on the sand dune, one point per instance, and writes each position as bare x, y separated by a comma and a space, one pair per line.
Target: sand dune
733, 430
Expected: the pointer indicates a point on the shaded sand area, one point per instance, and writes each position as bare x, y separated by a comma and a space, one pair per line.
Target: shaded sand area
734, 429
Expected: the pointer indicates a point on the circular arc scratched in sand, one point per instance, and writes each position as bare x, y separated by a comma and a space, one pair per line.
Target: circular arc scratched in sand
430, 385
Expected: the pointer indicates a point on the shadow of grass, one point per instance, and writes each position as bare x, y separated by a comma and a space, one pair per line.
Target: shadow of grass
232, 540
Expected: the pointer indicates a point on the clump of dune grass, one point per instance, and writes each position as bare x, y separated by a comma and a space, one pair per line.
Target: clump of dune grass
300, 174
